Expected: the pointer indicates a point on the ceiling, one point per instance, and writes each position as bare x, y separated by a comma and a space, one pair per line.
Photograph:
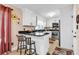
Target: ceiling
44, 9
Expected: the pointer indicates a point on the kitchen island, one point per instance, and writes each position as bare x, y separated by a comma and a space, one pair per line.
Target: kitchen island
41, 41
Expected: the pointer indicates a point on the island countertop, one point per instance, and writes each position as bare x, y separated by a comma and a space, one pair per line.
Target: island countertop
32, 33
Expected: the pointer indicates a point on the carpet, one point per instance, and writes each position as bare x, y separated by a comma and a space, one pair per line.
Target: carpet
62, 51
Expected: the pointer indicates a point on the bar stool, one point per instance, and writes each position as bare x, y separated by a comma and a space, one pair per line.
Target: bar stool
30, 43
21, 43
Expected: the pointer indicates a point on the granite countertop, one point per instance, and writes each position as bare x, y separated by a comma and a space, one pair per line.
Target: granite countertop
32, 33
37, 31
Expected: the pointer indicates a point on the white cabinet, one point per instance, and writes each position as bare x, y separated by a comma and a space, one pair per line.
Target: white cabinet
41, 21
29, 18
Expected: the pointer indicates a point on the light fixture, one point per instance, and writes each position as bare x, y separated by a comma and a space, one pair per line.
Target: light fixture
51, 14
15, 17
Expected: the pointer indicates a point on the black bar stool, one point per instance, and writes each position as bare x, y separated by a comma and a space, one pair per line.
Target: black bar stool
21, 43
30, 43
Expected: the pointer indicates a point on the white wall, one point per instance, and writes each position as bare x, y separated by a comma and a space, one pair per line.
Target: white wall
66, 26
66, 22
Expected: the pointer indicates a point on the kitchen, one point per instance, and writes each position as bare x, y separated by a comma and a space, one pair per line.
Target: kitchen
45, 24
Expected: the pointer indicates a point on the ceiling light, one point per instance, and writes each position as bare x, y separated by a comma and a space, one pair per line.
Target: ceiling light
51, 14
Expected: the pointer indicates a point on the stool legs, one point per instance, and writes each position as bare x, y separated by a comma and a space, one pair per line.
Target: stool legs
29, 45
30, 52
35, 49
18, 47
21, 48
26, 48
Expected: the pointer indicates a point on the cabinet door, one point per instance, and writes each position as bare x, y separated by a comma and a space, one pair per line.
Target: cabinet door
25, 17
42, 20
33, 19
29, 18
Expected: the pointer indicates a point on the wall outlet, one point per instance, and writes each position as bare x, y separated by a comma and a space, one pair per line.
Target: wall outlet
12, 43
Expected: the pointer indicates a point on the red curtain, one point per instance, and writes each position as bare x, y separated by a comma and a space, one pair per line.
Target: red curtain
2, 11
5, 29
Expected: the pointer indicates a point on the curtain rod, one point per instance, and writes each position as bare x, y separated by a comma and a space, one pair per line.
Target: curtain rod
6, 6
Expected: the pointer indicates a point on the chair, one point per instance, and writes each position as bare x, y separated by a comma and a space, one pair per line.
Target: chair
30, 43
21, 43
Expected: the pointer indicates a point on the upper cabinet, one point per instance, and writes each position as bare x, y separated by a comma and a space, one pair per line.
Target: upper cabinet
41, 21
32, 19
29, 18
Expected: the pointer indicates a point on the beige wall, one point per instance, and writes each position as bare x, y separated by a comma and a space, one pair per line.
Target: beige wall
15, 26
75, 40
